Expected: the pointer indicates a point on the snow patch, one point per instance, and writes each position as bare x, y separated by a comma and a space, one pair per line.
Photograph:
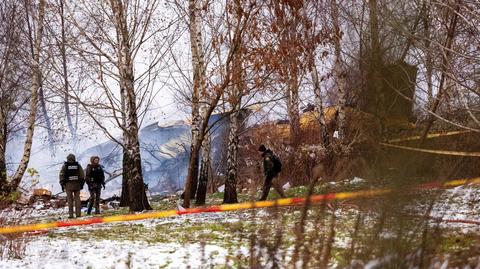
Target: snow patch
44, 252
357, 180
462, 202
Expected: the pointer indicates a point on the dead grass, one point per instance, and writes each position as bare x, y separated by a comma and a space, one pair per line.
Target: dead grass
13, 246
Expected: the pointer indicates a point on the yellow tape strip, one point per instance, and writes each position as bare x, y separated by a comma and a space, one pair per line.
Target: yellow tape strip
150, 215
224, 207
418, 137
459, 182
433, 151
27, 228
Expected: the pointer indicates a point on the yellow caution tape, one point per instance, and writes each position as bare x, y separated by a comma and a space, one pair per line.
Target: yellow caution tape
435, 135
434, 151
226, 207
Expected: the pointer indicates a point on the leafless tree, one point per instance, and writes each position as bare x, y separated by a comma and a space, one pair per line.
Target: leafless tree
36, 76
13, 74
115, 36
219, 79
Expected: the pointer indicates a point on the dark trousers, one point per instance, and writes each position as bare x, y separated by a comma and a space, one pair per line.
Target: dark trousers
94, 200
73, 197
271, 180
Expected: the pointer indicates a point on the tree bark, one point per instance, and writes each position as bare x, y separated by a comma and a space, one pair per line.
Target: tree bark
40, 93
293, 110
375, 63
205, 169
199, 89
339, 72
36, 83
136, 187
125, 195
8, 94
3, 147
194, 154
126, 161
191, 173
230, 194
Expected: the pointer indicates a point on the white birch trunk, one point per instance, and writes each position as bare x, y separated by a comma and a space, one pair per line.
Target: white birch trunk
230, 195
205, 169
198, 65
138, 199
36, 83
3, 145
339, 72
293, 110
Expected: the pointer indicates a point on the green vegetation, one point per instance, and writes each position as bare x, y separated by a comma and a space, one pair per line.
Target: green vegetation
11, 197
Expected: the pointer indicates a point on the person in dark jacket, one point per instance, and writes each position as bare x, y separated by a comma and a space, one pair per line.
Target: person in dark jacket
95, 180
72, 180
272, 166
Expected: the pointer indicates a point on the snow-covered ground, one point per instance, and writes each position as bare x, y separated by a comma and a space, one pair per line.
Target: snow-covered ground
460, 203
44, 252
175, 242
59, 249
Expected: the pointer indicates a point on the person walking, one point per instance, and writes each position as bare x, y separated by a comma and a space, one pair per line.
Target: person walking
72, 180
95, 180
272, 166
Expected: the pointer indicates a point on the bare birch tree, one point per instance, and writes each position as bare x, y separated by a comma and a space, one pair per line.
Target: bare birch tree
36, 77
14, 76
339, 72
237, 90
199, 85
113, 55
219, 80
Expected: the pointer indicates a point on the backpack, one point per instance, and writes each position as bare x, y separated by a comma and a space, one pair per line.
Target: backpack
277, 164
